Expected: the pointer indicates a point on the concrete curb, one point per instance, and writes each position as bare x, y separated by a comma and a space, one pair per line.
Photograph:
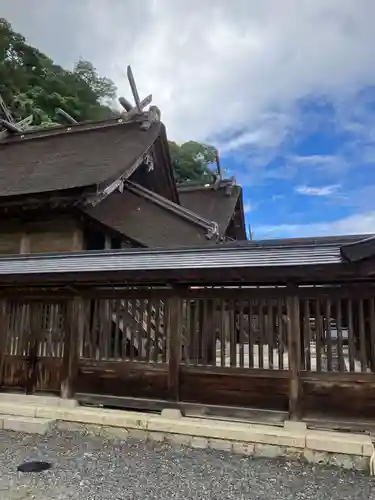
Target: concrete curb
293, 440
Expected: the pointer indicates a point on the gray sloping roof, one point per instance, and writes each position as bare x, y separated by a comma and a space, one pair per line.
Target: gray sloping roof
146, 222
71, 157
213, 204
302, 252
359, 250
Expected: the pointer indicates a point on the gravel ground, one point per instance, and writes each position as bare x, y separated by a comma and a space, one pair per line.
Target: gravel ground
93, 468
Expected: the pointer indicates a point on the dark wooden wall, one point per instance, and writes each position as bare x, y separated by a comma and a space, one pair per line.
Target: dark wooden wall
46, 233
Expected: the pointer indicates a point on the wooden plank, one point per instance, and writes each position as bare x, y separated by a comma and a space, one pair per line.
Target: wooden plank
120, 366
149, 330
280, 336
340, 398
236, 372
270, 333
318, 336
74, 332
328, 333
140, 331
35, 327
233, 333
222, 333
125, 378
174, 333
132, 304
340, 353
93, 290
251, 334
187, 409
362, 335
212, 308
338, 377
204, 331
351, 345
3, 336
116, 341
372, 333
294, 348
307, 333
218, 387
157, 329
241, 334
25, 243
164, 356
260, 333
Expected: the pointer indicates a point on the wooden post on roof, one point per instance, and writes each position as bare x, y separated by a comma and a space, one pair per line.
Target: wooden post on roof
5, 110
294, 350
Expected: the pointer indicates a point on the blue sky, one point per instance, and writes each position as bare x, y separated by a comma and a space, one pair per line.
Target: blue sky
321, 179
284, 88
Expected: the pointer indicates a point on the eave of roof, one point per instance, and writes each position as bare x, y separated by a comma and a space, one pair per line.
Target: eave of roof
285, 253
150, 219
359, 250
211, 202
80, 155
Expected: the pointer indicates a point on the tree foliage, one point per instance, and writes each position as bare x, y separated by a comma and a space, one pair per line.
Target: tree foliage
191, 161
32, 84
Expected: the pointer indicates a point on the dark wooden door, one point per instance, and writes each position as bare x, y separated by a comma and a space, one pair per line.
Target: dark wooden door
34, 346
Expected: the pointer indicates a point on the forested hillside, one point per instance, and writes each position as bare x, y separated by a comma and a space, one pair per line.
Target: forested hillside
32, 83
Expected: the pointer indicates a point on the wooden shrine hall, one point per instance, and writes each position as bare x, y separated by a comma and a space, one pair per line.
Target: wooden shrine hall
286, 326
119, 287
102, 185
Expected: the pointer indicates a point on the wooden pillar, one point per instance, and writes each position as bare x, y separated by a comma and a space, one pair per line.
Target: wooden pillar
74, 330
107, 242
200, 340
25, 243
294, 349
78, 240
174, 346
35, 327
210, 333
3, 337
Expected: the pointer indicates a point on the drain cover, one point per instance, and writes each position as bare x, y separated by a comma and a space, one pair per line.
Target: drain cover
34, 466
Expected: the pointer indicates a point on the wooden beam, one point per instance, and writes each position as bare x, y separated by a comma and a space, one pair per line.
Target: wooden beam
294, 348
5, 110
74, 330
3, 336
134, 89
78, 238
107, 242
36, 323
25, 243
174, 333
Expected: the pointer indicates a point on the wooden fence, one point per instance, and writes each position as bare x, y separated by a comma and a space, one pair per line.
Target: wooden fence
304, 350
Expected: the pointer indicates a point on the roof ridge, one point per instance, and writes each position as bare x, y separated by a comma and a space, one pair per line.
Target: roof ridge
71, 128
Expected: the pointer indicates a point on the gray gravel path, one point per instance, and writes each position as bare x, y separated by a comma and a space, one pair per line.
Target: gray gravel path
93, 468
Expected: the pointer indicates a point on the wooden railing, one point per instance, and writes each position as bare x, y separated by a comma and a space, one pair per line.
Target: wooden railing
278, 348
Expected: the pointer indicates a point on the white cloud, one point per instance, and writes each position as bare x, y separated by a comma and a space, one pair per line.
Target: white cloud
248, 207
355, 224
317, 191
215, 66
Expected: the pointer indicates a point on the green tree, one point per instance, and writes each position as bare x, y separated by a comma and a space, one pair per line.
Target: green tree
192, 160
30, 83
